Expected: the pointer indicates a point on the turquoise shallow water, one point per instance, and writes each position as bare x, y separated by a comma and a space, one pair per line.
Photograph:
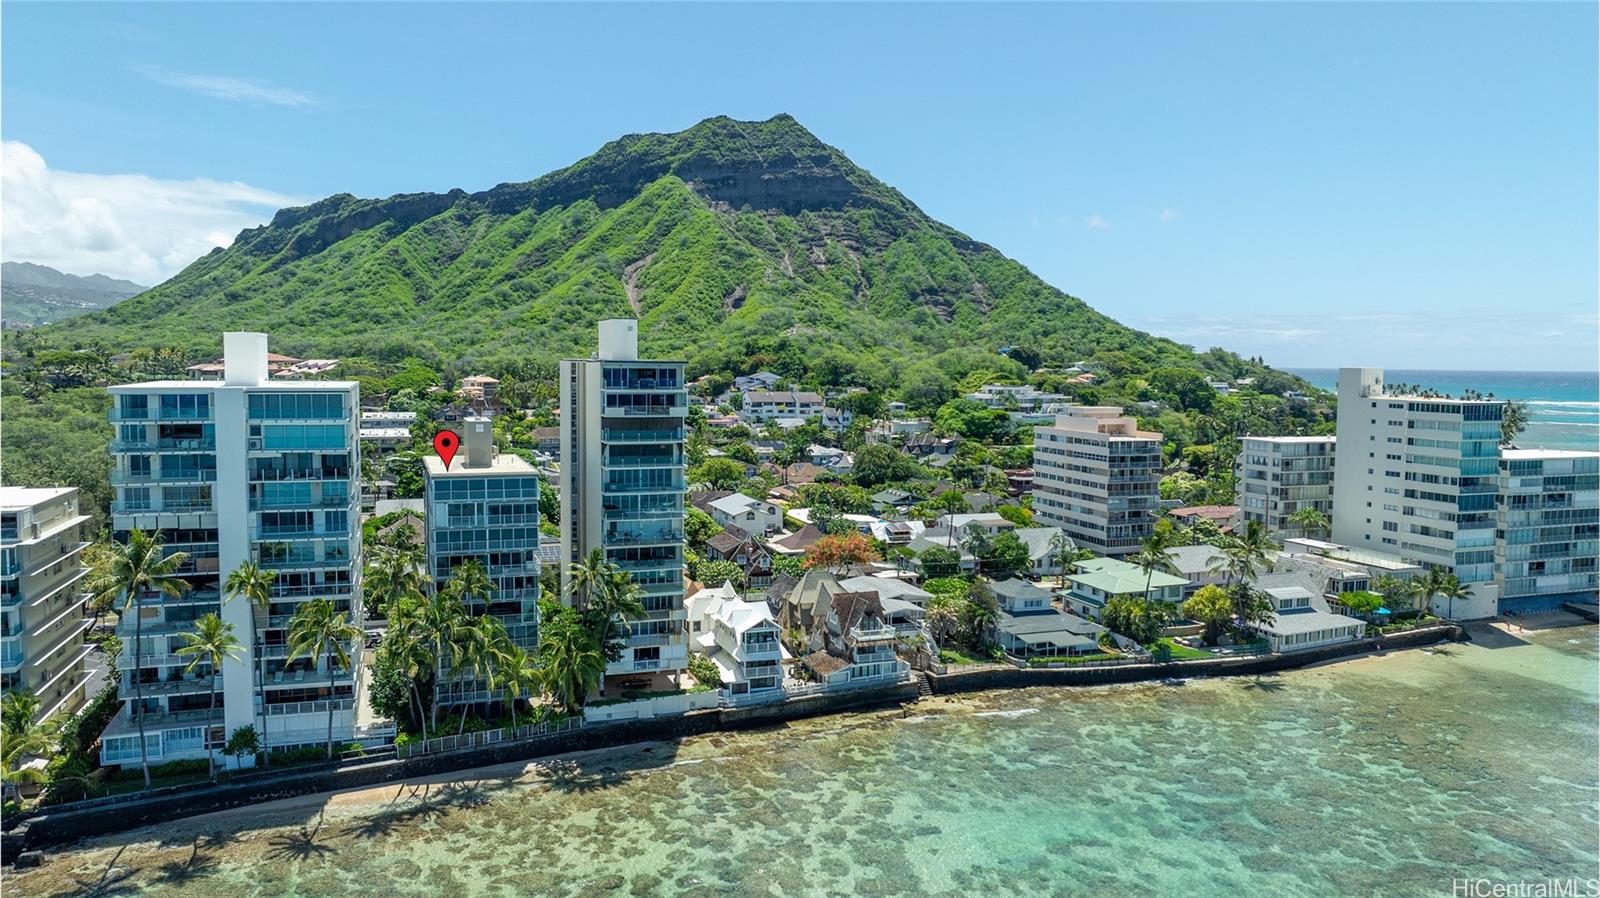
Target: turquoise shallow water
1563, 406
1383, 776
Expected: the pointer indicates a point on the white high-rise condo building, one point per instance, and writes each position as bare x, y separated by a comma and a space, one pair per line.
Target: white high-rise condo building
1418, 476
1549, 528
42, 601
1278, 476
485, 507
622, 486
239, 469
1097, 476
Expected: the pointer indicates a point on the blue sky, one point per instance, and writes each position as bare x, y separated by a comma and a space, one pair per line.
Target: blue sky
1410, 185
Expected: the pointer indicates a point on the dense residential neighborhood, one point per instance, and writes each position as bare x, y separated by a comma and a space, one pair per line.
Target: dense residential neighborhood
314, 575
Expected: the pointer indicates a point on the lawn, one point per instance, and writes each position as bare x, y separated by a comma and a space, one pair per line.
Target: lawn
1183, 652
951, 655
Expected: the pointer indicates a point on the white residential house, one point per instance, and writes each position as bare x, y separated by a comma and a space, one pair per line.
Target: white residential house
740, 637
761, 380
837, 419
1099, 580
762, 405
750, 515
1302, 621
990, 523
1028, 625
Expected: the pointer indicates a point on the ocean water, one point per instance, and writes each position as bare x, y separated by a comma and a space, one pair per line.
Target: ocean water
1564, 405
1382, 776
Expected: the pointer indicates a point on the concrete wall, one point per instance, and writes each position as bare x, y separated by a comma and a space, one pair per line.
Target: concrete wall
118, 815
957, 681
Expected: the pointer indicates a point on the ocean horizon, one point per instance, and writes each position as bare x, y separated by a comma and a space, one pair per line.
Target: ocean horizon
1564, 406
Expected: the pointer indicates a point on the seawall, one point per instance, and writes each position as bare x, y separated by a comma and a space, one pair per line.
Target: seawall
105, 816
957, 681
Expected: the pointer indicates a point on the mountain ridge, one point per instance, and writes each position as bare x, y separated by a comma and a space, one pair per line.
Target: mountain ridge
730, 240
35, 294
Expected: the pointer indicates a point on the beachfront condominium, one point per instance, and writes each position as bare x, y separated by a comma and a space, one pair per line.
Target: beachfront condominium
245, 468
1549, 528
43, 615
1417, 475
484, 507
1278, 476
1097, 477
622, 486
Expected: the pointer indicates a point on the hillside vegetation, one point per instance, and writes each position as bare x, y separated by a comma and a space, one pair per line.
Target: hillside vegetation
730, 240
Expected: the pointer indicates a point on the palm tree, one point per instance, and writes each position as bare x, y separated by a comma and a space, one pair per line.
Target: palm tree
210, 643
1451, 588
616, 603
517, 673
23, 738
1427, 586
1514, 420
139, 566
440, 621
408, 646
255, 585
1246, 553
587, 579
571, 663
475, 652
1310, 519
318, 630
1152, 556
950, 502
1066, 554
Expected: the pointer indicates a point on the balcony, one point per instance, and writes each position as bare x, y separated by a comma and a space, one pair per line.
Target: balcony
278, 564
131, 477
644, 537
617, 487
639, 461
167, 445
645, 411
642, 515
875, 634
645, 640
260, 475
162, 508
668, 435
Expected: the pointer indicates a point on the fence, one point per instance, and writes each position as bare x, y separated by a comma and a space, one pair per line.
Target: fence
487, 737
727, 699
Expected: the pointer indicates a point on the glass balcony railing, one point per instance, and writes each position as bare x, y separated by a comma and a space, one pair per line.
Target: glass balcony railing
184, 476
619, 435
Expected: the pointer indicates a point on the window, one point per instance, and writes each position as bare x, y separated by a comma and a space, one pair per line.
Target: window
291, 406
185, 405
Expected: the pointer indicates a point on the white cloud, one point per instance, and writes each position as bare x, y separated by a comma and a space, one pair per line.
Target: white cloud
224, 87
1169, 214
1096, 223
127, 226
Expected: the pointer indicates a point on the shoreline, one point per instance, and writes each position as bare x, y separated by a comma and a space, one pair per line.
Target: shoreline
403, 790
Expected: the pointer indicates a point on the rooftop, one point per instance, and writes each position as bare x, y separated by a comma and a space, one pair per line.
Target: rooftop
18, 497
503, 464
1294, 439
1537, 454
1119, 577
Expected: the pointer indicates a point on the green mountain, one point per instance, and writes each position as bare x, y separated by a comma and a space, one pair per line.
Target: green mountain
38, 294
730, 240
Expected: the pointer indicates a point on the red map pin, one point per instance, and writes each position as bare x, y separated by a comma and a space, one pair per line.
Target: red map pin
446, 442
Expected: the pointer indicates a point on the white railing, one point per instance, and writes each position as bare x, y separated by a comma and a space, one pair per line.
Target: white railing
487, 737
769, 696
343, 704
